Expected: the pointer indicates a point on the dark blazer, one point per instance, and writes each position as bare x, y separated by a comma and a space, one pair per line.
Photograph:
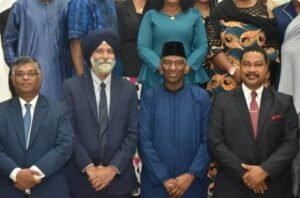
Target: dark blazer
120, 136
49, 148
231, 142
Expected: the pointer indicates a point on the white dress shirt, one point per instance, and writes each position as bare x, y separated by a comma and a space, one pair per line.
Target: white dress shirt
97, 82
247, 94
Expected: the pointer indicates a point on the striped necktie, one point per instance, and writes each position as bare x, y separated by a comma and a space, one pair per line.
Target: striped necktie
27, 121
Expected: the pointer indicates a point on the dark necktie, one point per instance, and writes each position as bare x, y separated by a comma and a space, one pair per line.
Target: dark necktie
254, 111
27, 121
103, 115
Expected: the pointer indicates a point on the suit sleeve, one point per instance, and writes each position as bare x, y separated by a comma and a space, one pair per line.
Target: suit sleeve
7, 164
80, 157
296, 172
158, 172
61, 152
201, 161
287, 150
226, 159
128, 147
11, 34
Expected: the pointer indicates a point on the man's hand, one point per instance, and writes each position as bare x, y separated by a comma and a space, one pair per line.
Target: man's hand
170, 186
93, 176
25, 179
183, 182
91, 172
101, 176
261, 188
254, 176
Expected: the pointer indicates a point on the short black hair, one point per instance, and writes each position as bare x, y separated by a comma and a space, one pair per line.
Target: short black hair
23, 60
255, 49
158, 4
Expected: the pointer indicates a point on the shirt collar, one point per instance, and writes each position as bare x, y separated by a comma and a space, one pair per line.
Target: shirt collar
248, 91
32, 102
97, 81
172, 91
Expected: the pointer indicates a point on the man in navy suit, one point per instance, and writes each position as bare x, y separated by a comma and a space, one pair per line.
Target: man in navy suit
253, 135
104, 114
35, 138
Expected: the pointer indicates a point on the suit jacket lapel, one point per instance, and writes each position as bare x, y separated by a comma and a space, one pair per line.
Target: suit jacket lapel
265, 106
243, 108
40, 112
17, 117
88, 88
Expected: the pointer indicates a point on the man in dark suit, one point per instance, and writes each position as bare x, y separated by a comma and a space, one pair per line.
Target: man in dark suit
35, 138
253, 135
104, 109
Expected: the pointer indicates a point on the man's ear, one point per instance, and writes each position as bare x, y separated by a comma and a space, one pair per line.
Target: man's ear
12, 79
268, 64
160, 69
186, 69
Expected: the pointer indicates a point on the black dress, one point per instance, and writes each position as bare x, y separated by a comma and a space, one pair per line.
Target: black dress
129, 22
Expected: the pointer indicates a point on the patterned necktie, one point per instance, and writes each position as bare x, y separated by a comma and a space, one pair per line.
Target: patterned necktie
103, 115
254, 111
27, 121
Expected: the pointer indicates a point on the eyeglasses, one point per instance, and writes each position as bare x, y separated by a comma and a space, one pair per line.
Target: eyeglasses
177, 63
30, 74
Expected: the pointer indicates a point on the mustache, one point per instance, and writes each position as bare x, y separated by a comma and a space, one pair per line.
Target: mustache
250, 74
102, 61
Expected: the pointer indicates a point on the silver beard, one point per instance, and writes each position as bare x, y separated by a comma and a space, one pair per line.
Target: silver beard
101, 66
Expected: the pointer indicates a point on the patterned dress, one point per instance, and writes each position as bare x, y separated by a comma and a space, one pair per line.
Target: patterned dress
232, 37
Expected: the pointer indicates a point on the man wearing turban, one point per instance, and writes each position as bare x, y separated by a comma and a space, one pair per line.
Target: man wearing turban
104, 113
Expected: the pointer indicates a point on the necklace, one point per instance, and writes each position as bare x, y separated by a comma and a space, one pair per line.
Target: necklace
172, 14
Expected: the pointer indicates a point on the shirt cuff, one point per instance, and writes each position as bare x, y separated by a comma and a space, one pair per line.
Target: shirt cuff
35, 168
13, 174
118, 171
84, 170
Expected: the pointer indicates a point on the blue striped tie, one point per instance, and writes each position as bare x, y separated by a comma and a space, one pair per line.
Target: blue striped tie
27, 121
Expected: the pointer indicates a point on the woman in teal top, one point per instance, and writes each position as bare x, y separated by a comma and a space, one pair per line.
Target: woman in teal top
172, 20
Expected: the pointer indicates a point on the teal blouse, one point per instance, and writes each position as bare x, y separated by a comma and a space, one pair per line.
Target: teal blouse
156, 29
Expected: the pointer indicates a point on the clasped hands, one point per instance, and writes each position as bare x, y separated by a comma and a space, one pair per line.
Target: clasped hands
255, 177
177, 186
26, 179
100, 176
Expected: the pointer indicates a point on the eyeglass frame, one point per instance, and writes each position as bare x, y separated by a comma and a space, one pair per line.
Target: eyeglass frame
30, 74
